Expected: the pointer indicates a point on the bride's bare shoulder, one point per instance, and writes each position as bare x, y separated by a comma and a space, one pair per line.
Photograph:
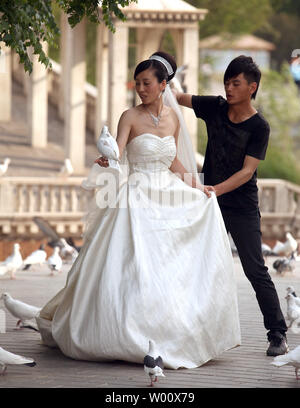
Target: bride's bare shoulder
131, 114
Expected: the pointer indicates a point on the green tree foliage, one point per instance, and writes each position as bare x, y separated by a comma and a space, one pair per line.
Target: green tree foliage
279, 102
277, 21
232, 16
28, 23
286, 6
282, 29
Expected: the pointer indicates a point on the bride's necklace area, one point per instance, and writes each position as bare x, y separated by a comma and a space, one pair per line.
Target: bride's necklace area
155, 119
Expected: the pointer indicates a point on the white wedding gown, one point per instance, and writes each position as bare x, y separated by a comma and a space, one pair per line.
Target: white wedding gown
152, 271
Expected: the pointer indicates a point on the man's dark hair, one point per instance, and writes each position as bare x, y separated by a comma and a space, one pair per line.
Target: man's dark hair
247, 66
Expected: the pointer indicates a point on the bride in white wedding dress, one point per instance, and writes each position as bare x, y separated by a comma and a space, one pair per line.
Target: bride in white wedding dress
151, 267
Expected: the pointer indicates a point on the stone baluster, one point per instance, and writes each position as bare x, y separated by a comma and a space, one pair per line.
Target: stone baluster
43, 198
20, 198
31, 197
53, 199
60, 228
63, 199
74, 199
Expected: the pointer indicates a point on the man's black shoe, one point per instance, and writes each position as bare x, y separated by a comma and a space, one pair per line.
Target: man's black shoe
278, 344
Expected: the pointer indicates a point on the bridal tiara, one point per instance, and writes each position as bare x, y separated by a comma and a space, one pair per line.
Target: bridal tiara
164, 62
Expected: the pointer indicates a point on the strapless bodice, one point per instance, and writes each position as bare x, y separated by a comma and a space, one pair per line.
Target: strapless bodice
151, 152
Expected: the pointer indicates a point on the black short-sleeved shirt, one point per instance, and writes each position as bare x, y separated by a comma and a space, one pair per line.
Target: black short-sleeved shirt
228, 144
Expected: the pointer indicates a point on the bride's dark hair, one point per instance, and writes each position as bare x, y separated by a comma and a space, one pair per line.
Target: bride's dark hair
158, 67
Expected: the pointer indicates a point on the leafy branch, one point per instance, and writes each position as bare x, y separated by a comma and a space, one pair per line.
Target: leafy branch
29, 23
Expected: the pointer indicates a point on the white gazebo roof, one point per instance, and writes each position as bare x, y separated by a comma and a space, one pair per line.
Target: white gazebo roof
163, 11
166, 5
243, 42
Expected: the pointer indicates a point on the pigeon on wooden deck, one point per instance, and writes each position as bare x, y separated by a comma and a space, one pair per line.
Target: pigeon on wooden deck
291, 290
12, 263
293, 313
288, 247
68, 251
292, 358
153, 364
285, 264
24, 312
54, 261
36, 257
266, 250
55, 239
8, 358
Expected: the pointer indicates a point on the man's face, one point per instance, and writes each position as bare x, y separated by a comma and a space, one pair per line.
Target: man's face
238, 89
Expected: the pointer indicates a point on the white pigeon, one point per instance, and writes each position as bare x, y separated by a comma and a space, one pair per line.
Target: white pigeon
54, 261
108, 147
278, 248
293, 313
8, 358
153, 364
67, 168
288, 247
68, 251
291, 244
36, 257
12, 263
290, 289
22, 311
4, 166
292, 358
266, 249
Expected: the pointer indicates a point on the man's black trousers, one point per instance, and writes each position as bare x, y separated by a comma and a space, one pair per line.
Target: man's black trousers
246, 234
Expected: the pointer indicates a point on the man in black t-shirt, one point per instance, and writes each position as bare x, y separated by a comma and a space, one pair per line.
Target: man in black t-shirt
237, 140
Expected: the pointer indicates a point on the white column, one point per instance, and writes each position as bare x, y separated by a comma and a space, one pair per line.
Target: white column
101, 78
63, 45
148, 42
74, 104
118, 71
37, 102
190, 57
5, 83
177, 36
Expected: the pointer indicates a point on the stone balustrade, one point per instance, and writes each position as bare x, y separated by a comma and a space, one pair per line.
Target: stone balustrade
63, 203
280, 208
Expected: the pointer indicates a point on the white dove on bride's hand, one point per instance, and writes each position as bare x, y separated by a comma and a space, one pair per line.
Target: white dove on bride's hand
109, 148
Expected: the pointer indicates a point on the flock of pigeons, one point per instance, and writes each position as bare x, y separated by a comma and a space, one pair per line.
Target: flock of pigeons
292, 358
288, 252
153, 362
61, 251
26, 315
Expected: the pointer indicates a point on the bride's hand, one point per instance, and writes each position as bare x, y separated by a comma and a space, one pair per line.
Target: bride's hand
102, 161
207, 190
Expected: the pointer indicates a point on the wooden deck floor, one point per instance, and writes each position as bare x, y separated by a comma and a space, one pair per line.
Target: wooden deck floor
244, 367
